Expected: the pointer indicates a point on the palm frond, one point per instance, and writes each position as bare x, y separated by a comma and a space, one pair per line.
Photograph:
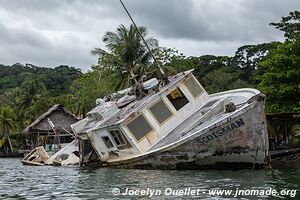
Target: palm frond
98, 51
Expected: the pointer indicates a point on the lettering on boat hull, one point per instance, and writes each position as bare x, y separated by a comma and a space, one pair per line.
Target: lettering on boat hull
221, 131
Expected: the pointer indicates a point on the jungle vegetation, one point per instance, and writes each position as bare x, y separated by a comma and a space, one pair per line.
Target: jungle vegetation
27, 91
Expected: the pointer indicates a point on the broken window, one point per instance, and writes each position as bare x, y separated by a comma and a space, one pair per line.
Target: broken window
177, 99
107, 142
160, 111
193, 86
117, 136
139, 127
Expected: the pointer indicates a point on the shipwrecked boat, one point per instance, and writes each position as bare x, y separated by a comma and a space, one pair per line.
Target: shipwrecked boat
175, 125
68, 155
37, 157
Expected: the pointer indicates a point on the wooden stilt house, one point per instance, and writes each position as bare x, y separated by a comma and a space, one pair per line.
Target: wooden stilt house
52, 129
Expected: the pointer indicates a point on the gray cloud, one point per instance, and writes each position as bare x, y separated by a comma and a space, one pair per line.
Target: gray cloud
217, 20
54, 32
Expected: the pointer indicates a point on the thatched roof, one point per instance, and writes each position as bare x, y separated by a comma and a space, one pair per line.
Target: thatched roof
58, 115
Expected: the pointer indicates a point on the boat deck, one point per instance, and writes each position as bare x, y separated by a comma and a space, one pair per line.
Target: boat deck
187, 126
199, 120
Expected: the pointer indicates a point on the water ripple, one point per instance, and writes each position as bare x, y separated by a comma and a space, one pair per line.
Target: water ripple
47, 182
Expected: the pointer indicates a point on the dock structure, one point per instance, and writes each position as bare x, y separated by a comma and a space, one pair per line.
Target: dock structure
284, 130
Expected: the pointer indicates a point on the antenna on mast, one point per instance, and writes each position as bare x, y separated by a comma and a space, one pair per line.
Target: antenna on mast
160, 68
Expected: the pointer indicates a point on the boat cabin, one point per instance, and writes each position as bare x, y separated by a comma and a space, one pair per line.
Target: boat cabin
117, 131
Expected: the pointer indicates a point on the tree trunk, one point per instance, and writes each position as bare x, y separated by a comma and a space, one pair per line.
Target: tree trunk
133, 76
6, 140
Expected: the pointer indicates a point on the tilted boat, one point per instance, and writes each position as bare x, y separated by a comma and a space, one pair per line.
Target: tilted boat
177, 125
68, 155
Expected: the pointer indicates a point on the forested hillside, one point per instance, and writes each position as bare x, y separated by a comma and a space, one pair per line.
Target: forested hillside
26, 91
57, 80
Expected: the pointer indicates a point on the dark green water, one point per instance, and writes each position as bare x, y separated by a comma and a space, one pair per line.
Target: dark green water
27, 182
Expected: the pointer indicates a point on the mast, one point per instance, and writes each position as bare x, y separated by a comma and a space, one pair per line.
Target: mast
160, 68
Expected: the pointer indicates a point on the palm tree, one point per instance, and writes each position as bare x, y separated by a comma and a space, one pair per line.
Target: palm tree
7, 117
30, 92
127, 52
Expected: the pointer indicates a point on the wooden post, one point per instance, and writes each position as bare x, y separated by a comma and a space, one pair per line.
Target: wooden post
81, 156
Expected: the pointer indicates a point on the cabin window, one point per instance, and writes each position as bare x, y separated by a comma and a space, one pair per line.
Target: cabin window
177, 98
160, 111
139, 127
193, 86
107, 142
118, 137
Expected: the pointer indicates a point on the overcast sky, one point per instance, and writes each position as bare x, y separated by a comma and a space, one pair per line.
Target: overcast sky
54, 32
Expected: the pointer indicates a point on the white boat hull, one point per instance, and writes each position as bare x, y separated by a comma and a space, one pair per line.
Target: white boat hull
240, 140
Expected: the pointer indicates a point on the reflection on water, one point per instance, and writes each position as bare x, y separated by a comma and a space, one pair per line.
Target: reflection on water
28, 182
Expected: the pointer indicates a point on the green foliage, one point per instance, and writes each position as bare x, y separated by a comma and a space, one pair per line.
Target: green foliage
290, 25
39, 106
215, 73
127, 53
223, 79
280, 80
247, 58
207, 64
89, 87
281, 70
31, 90
57, 80
7, 118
